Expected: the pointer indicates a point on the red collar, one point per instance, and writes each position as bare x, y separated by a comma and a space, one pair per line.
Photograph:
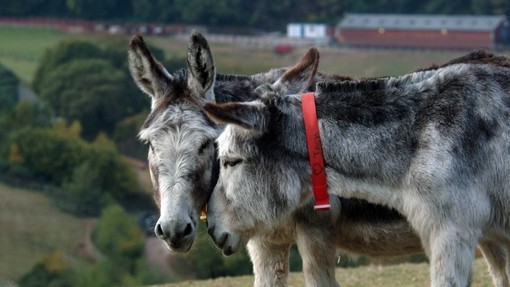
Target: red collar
320, 188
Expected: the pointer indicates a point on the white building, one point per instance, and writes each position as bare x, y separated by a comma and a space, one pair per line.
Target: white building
307, 31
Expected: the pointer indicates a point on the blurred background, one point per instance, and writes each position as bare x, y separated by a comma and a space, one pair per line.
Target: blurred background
75, 199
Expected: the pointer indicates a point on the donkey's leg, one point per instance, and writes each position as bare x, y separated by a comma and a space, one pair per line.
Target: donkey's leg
318, 251
452, 251
496, 257
270, 262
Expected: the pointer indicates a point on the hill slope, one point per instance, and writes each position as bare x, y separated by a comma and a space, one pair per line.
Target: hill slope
30, 227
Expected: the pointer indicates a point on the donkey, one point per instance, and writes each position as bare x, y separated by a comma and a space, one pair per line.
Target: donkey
183, 168
182, 155
433, 144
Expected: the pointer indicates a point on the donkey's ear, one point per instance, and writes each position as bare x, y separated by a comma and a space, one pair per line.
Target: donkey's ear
298, 78
150, 76
247, 115
201, 68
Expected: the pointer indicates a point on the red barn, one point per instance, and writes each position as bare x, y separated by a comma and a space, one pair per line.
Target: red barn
424, 31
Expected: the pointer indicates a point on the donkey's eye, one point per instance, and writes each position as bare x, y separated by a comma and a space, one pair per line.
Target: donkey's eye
204, 146
151, 147
232, 162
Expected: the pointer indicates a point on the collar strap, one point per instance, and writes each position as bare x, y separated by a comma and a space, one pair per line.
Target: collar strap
313, 139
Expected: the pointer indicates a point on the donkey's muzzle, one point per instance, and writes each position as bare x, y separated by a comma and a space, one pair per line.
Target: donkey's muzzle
179, 236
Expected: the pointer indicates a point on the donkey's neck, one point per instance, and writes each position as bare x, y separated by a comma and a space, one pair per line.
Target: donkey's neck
369, 129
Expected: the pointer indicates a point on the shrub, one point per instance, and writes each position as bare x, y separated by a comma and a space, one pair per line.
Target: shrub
126, 136
49, 155
8, 89
53, 270
84, 82
118, 236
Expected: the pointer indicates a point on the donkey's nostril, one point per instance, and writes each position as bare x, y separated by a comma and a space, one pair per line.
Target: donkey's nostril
159, 231
188, 229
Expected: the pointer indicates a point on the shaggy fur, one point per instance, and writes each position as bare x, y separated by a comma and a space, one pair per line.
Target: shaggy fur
433, 144
182, 159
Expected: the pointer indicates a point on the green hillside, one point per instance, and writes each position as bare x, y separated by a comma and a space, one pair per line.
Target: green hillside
30, 227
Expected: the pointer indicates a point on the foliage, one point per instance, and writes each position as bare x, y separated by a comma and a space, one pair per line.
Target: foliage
91, 174
24, 114
89, 91
64, 52
205, 260
100, 274
118, 236
83, 82
53, 270
48, 154
107, 273
8, 89
126, 136
82, 194
100, 179
263, 14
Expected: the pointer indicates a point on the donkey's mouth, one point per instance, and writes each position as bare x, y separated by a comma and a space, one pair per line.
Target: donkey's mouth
180, 246
228, 243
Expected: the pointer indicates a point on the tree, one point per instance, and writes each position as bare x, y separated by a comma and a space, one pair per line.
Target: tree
53, 270
126, 139
205, 260
8, 89
83, 194
33, 8
118, 236
49, 155
82, 82
93, 9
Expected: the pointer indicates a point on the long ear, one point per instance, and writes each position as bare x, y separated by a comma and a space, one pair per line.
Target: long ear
201, 68
298, 78
150, 76
250, 115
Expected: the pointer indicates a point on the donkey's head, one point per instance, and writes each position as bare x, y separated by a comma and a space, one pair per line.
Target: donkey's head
257, 187
182, 159
181, 138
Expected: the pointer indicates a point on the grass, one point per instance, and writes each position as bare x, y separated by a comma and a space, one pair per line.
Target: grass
344, 61
402, 275
22, 47
30, 228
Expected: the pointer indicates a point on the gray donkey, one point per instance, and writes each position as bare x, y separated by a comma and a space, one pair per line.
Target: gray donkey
182, 164
434, 145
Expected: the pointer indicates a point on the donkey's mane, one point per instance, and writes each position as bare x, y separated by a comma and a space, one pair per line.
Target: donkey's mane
475, 57
478, 57
351, 86
375, 84
232, 77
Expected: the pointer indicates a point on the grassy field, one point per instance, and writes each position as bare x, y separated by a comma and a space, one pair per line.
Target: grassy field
30, 227
402, 275
21, 48
344, 61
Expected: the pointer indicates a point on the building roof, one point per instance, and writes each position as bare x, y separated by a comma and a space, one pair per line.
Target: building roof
422, 22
